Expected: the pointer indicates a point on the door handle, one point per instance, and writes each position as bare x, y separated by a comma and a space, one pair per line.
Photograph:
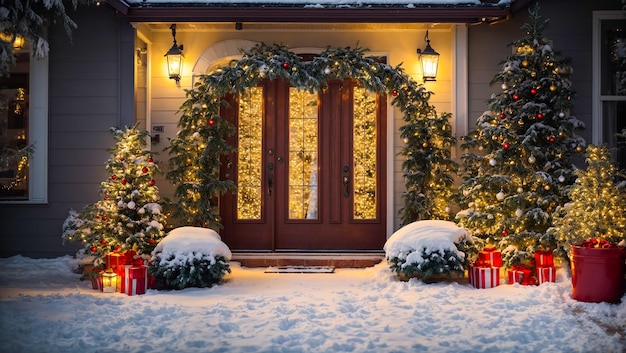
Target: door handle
270, 176
346, 184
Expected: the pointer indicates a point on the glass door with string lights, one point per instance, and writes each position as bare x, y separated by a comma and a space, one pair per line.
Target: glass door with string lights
309, 169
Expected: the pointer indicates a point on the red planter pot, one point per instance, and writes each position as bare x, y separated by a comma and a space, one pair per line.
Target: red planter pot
597, 274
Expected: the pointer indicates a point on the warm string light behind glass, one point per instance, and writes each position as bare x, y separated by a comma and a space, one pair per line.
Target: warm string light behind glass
365, 151
250, 154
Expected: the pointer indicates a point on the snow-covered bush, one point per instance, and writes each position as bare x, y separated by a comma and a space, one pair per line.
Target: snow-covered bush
425, 249
190, 257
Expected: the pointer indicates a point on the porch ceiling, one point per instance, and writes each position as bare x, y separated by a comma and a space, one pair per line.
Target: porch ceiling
296, 12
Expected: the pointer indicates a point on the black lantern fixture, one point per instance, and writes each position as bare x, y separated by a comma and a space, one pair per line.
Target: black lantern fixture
174, 58
430, 60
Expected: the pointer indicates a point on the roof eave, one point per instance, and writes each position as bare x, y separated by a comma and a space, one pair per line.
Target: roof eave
312, 15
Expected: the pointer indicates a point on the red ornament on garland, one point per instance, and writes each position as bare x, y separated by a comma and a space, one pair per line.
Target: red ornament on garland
144, 170
539, 115
506, 145
516, 97
106, 197
211, 121
552, 139
533, 91
505, 232
113, 176
94, 249
502, 116
104, 218
151, 241
152, 182
121, 159
123, 181
394, 93
103, 242
286, 65
150, 160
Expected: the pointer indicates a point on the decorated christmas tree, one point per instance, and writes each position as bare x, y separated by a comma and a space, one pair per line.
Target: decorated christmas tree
597, 210
519, 161
129, 216
428, 169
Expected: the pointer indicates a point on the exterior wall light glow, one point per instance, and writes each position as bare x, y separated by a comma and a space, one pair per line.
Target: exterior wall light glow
429, 59
174, 58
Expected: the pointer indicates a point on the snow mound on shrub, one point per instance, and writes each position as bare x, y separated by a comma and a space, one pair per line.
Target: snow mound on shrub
191, 242
410, 242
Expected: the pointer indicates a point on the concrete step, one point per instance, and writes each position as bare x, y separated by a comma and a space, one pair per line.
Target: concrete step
339, 260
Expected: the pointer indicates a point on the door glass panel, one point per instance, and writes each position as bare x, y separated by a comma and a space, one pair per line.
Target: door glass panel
250, 154
364, 151
303, 149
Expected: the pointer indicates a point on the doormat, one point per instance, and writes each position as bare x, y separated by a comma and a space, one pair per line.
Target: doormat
300, 269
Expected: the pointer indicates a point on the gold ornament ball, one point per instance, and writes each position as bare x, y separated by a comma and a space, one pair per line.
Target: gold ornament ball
552, 88
579, 148
546, 187
533, 74
425, 144
524, 63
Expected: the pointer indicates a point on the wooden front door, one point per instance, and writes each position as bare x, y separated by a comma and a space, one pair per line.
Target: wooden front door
309, 169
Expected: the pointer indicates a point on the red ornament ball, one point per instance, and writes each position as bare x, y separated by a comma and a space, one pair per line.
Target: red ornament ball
286, 65
394, 93
123, 181
144, 170
121, 159
151, 241
150, 160
152, 182
533, 91
106, 197
505, 232
539, 115
516, 97
502, 116
94, 249
103, 242
506, 145
211, 122
552, 139
104, 218
113, 176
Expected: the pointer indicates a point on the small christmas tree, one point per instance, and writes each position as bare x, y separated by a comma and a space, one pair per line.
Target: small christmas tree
129, 215
598, 204
428, 169
526, 143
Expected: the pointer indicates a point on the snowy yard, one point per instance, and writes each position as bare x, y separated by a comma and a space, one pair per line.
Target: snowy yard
44, 307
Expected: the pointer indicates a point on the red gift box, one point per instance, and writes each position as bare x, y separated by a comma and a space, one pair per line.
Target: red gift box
96, 283
544, 258
136, 280
115, 259
546, 274
481, 276
521, 275
491, 256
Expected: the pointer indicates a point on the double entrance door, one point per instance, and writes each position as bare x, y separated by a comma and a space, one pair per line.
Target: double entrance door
309, 169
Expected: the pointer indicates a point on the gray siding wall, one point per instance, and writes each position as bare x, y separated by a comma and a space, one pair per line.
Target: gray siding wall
90, 90
570, 30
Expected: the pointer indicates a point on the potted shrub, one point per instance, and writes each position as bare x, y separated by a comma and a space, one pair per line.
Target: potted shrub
592, 229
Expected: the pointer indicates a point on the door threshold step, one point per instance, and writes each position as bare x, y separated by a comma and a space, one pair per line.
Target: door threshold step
337, 260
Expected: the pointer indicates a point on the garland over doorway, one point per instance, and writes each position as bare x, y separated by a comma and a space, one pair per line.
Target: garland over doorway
195, 152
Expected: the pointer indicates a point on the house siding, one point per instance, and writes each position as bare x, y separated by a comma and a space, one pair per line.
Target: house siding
90, 90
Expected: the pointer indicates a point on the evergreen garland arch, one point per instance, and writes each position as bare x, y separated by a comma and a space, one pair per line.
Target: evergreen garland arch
196, 150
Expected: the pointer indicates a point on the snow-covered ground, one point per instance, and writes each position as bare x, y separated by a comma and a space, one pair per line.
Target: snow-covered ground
44, 307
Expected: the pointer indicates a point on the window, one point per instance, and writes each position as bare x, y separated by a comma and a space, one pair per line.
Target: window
24, 123
609, 81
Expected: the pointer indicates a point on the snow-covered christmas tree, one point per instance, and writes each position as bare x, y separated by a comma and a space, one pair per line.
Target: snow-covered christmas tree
129, 216
597, 209
519, 160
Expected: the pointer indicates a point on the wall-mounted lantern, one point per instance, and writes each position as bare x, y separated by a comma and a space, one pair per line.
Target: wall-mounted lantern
429, 59
174, 58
